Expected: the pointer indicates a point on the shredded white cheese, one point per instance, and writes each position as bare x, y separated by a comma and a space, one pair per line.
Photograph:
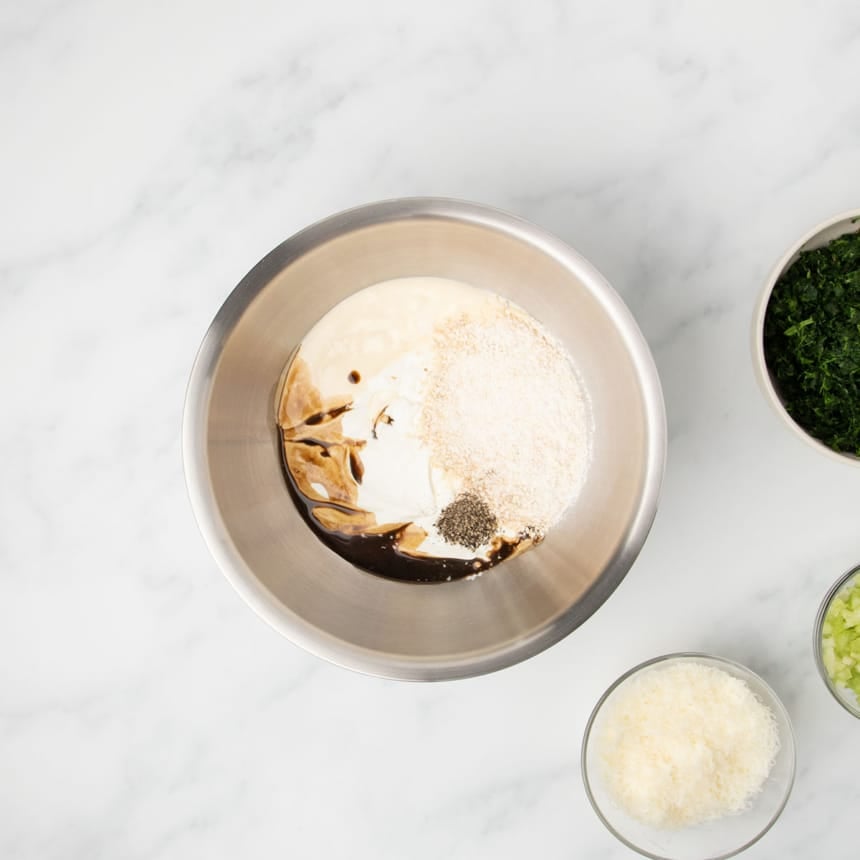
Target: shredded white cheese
684, 744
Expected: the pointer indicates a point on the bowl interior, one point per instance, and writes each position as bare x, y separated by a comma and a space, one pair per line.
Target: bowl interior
716, 839
317, 598
816, 238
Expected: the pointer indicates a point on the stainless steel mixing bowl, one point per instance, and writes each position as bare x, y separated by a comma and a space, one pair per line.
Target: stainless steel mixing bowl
316, 598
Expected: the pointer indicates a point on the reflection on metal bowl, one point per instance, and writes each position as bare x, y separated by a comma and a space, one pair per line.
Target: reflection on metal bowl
316, 598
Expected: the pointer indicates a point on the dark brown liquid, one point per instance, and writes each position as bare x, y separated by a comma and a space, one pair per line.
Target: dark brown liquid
321, 417
315, 451
379, 553
356, 467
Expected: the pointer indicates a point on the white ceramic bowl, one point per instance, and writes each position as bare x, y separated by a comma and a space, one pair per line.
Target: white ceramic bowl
847, 222
714, 840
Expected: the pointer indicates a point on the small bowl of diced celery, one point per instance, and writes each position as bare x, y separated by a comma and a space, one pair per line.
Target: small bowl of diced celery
837, 641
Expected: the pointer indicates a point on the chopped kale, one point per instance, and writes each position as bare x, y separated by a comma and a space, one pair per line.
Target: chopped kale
812, 342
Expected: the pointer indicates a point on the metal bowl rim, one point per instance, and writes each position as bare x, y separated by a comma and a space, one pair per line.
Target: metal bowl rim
214, 530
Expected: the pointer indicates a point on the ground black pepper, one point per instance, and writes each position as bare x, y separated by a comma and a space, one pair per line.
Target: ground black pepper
467, 521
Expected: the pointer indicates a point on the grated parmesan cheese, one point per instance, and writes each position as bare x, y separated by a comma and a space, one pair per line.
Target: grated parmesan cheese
684, 744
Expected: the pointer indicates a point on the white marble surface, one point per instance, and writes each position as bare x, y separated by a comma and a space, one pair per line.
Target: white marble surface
151, 153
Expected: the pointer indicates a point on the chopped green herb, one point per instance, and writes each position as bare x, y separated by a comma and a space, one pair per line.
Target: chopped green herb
812, 342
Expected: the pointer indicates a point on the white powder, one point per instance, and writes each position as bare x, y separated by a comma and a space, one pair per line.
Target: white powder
505, 411
685, 744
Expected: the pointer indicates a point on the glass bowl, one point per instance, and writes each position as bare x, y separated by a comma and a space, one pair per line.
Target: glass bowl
713, 840
845, 697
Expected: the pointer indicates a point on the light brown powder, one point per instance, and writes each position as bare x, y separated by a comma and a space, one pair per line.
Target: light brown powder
505, 411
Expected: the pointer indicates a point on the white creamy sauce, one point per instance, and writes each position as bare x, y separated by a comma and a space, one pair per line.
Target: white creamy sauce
388, 336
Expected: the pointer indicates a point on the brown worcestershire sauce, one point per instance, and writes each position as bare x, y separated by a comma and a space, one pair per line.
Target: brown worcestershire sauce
379, 553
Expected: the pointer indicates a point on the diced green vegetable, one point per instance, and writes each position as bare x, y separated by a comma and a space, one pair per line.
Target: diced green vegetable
840, 638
